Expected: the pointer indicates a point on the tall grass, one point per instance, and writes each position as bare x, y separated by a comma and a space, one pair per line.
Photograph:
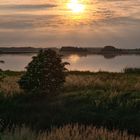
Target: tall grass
118, 82
105, 81
67, 132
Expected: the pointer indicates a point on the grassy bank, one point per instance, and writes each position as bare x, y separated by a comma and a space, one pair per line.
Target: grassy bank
110, 100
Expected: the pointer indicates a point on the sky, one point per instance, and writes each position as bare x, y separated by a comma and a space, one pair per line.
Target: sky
83, 23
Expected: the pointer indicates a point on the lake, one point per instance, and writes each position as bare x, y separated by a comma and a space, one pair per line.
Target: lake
18, 62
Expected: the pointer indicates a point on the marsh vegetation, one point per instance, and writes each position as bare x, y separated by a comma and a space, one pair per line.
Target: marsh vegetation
110, 100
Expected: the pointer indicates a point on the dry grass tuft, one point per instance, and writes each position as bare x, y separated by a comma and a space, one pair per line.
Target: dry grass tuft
9, 85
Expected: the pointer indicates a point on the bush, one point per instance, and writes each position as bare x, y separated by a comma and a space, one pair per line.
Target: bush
45, 73
2, 75
132, 70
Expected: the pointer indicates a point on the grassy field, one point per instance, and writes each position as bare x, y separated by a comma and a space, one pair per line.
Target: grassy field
110, 100
81, 80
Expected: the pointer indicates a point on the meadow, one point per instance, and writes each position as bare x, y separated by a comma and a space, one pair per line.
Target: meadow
109, 101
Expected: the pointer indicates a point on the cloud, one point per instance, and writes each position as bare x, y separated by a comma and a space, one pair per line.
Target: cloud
26, 7
29, 22
22, 22
126, 20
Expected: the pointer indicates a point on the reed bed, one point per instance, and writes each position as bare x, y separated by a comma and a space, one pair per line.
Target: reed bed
68, 132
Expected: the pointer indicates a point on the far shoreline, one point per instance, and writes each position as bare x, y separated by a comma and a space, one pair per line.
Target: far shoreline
107, 50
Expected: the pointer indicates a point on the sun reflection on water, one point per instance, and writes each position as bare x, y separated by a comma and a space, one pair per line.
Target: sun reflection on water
74, 58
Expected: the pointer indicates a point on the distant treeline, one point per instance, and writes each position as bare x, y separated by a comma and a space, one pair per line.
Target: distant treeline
21, 49
72, 49
104, 50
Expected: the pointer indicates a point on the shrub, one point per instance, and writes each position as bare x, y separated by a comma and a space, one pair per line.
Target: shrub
132, 70
45, 73
2, 75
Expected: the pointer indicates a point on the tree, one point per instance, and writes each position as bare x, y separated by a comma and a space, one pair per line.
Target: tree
45, 73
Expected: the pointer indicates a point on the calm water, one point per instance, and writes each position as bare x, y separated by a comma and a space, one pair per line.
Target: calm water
86, 62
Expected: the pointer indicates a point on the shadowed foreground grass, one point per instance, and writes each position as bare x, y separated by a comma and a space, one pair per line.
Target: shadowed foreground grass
67, 132
110, 100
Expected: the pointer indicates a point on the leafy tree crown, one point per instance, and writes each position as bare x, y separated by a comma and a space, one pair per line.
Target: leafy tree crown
45, 73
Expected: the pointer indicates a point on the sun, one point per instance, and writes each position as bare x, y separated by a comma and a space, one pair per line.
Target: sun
75, 6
